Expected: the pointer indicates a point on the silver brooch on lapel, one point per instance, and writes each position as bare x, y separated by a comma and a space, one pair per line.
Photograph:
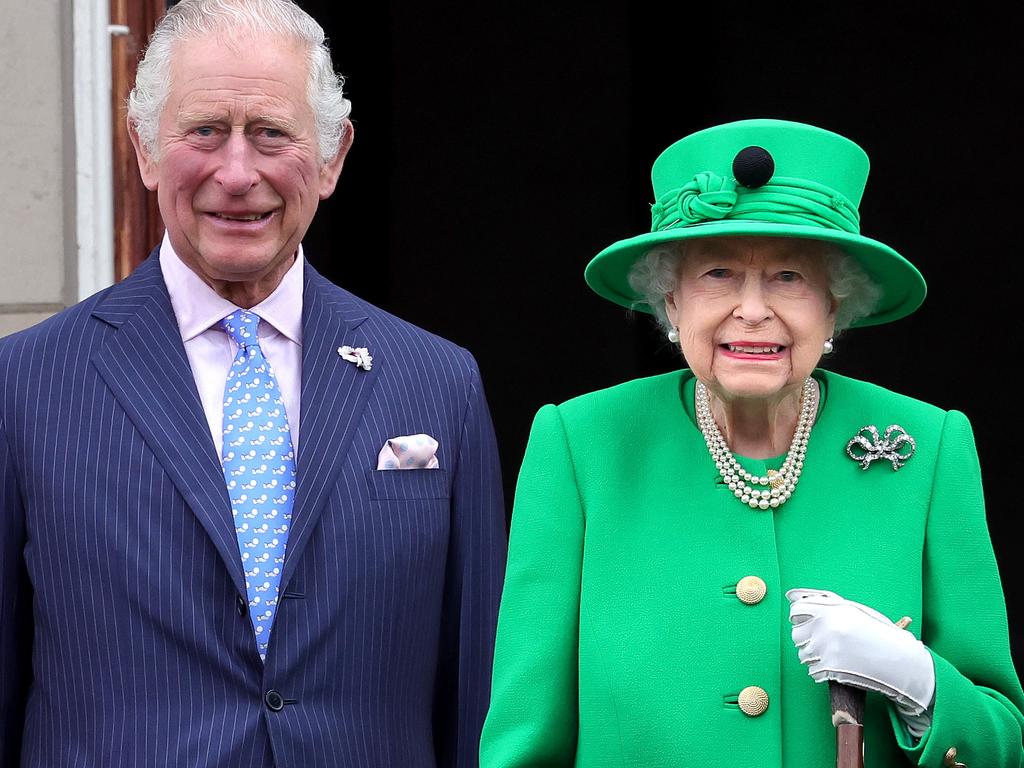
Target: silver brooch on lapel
895, 445
358, 355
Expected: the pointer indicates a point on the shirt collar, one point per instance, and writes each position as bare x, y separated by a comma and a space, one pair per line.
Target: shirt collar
197, 307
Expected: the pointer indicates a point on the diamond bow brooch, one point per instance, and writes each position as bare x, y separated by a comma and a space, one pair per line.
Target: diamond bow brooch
895, 445
358, 355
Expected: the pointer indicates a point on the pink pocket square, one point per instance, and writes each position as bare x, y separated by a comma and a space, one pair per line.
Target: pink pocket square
408, 452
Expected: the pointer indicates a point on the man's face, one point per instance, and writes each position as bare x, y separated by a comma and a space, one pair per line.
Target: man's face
238, 172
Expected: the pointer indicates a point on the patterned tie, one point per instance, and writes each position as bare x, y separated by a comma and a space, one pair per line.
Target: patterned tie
259, 467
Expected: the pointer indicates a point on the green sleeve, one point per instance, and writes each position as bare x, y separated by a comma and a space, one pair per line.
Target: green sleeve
533, 714
978, 699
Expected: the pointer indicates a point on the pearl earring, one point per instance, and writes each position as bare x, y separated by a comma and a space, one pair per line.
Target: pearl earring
828, 346
673, 336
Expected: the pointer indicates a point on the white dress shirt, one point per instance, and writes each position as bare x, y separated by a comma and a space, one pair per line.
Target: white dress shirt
198, 310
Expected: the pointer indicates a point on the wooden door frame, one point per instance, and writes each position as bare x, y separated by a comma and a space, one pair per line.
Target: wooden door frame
137, 224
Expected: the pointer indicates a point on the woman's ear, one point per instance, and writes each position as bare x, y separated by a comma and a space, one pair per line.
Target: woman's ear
832, 314
672, 309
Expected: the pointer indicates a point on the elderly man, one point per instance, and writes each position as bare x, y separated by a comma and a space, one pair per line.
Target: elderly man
246, 518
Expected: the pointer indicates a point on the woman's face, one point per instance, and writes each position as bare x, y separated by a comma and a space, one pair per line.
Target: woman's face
752, 313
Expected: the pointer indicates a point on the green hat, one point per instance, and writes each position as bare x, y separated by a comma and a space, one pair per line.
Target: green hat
771, 178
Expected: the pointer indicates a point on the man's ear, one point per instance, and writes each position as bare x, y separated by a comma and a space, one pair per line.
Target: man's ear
148, 168
331, 170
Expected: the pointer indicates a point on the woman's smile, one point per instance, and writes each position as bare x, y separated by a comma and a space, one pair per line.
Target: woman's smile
757, 351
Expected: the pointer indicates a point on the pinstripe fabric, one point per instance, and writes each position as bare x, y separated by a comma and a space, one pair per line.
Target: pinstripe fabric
120, 639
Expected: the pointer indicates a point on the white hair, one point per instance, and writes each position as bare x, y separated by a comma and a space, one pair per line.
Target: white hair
656, 273
193, 19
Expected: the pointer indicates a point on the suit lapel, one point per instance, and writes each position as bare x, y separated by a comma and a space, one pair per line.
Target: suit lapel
334, 394
145, 366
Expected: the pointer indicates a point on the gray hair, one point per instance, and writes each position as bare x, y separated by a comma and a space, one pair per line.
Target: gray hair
656, 273
192, 19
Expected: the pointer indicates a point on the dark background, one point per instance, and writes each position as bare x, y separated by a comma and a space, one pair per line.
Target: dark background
499, 147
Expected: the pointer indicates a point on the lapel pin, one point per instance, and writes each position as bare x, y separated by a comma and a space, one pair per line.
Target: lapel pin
358, 355
895, 445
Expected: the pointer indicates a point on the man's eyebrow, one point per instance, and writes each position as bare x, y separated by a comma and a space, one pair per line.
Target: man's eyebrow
199, 117
275, 120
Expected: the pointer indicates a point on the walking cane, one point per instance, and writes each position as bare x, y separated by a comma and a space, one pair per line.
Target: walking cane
848, 718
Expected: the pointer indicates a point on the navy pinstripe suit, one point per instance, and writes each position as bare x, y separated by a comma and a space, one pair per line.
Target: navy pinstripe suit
122, 639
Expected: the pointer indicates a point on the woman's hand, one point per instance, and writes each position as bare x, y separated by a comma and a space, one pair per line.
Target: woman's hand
853, 644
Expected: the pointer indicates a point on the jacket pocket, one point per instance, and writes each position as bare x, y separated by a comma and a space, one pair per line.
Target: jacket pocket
407, 484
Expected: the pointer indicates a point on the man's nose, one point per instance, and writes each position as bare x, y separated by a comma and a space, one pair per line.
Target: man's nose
753, 306
237, 172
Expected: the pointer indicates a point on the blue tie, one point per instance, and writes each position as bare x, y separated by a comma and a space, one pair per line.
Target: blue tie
259, 467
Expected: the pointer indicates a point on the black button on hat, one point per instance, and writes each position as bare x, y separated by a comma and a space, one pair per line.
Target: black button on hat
753, 167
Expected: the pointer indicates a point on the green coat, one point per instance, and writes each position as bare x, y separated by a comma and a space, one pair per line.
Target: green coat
621, 641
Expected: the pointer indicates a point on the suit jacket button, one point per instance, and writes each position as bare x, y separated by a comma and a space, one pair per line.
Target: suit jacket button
274, 700
753, 701
751, 590
243, 607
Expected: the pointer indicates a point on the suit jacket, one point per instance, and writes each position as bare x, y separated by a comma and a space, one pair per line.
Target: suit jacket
622, 640
123, 634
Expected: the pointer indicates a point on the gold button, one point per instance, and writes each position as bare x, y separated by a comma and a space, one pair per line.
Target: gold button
950, 759
753, 701
751, 590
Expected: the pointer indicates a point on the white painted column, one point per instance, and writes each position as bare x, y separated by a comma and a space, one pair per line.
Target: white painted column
94, 146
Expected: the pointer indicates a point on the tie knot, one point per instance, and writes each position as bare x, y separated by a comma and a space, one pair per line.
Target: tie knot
242, 326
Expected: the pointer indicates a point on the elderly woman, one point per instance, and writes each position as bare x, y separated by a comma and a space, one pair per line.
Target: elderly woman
693, 555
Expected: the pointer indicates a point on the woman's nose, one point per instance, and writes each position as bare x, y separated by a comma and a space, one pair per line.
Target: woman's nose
753, 306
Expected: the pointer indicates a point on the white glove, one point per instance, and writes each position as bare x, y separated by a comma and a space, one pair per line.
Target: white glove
850, 643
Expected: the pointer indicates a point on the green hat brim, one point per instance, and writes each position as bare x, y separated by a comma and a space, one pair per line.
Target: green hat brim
903, 288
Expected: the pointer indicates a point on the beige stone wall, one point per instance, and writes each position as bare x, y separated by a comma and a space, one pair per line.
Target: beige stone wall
37, 178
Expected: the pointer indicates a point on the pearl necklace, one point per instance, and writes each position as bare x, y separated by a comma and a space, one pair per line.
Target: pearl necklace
780, 484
